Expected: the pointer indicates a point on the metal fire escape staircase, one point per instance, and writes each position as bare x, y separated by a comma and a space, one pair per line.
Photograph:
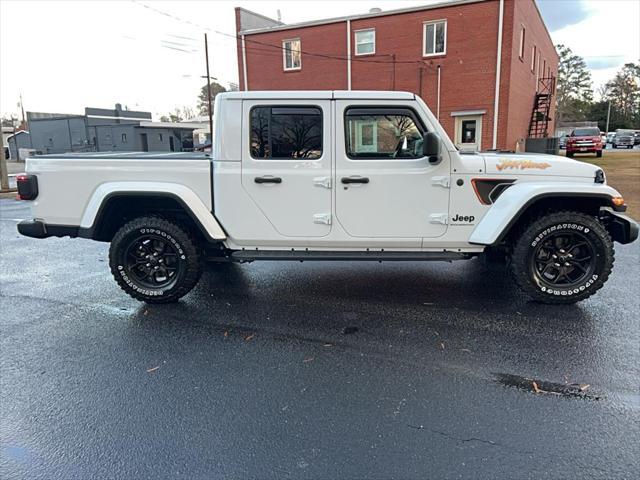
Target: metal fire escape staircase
539, 123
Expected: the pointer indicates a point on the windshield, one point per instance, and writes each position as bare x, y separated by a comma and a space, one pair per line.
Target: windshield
624, 132
585, 132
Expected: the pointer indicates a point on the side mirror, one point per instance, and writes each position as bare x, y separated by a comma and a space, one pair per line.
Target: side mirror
431, 147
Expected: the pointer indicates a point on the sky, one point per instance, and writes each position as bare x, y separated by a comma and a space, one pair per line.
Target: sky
149, 54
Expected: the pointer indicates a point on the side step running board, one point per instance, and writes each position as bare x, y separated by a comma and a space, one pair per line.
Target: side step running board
302, 255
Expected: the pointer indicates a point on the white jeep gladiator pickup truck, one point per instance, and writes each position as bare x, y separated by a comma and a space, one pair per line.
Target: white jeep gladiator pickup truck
330, 175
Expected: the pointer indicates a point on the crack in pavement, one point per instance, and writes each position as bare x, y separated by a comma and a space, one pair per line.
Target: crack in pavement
470, 439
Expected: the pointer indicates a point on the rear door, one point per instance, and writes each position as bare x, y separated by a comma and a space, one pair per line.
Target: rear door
287, 164
385, 187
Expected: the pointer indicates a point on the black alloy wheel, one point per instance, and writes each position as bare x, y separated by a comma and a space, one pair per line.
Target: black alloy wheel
563, 259
153, 261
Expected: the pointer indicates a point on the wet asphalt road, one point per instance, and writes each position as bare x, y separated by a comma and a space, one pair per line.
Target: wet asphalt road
253, 376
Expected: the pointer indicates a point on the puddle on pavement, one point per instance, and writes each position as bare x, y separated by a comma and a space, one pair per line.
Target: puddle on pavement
542, 387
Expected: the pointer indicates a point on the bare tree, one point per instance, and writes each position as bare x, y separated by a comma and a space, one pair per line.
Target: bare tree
574, 92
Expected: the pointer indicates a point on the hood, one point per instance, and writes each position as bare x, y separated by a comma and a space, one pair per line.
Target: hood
537, 164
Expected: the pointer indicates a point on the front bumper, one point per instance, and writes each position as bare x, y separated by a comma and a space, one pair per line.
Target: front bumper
39, 229
583, 148
623, 229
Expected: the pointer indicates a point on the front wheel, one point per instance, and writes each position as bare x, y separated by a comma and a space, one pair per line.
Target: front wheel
562, 257
154, 260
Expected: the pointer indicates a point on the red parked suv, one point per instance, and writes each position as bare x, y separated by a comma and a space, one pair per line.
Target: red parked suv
584, 140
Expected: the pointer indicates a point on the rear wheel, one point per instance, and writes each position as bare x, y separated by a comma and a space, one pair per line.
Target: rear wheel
562, 257
154, 260
599, 153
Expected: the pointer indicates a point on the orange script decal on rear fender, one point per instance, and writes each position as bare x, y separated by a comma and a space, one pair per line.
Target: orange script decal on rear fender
521, 164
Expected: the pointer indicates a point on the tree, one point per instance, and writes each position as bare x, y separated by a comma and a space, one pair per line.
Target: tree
9, 121
216, 88
179, 114
573, 93
624, 93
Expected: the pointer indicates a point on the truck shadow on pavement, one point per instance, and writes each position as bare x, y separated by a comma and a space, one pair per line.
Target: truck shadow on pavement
466, 320
321, 302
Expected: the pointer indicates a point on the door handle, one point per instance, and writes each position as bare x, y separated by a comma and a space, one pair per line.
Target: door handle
267, 180
346, 180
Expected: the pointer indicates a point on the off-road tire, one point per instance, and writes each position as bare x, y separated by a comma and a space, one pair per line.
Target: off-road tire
554, 225
176, 238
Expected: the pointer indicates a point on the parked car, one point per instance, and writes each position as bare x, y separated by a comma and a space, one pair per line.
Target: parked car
339, 176
610, 137
623, 139
636, 137
562, 142
584, 140
603, 139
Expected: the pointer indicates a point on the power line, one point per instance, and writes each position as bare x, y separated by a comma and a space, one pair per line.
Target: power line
279, 47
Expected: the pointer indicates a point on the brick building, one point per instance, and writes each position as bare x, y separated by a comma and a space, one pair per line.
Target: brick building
448, 53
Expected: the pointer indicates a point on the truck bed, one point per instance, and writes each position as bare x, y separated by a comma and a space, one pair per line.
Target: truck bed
72, 185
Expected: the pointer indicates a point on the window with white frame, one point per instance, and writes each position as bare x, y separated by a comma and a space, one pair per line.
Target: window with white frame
534, 52
434, 40
365, 41
291, 54
522, 38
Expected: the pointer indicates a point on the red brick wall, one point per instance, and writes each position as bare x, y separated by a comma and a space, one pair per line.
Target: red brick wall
264, 59
467, 69
522, 85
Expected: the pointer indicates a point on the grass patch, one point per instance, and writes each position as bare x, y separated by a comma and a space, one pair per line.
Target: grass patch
623, 174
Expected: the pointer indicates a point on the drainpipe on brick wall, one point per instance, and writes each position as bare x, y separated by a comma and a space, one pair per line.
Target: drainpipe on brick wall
244, 67
393, 72
496, 102
438, 101
348, 54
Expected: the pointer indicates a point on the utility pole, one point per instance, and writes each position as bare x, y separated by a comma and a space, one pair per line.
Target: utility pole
24, 123
206, 54
4, 176
608, 115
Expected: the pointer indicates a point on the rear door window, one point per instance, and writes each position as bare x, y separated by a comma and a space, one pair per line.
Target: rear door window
281, 132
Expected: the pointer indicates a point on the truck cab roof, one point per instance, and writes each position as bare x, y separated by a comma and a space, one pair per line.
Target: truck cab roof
316, 95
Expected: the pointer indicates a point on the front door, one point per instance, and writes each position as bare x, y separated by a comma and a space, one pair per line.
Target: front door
144, 142
286, 164
385, 187
468, 133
